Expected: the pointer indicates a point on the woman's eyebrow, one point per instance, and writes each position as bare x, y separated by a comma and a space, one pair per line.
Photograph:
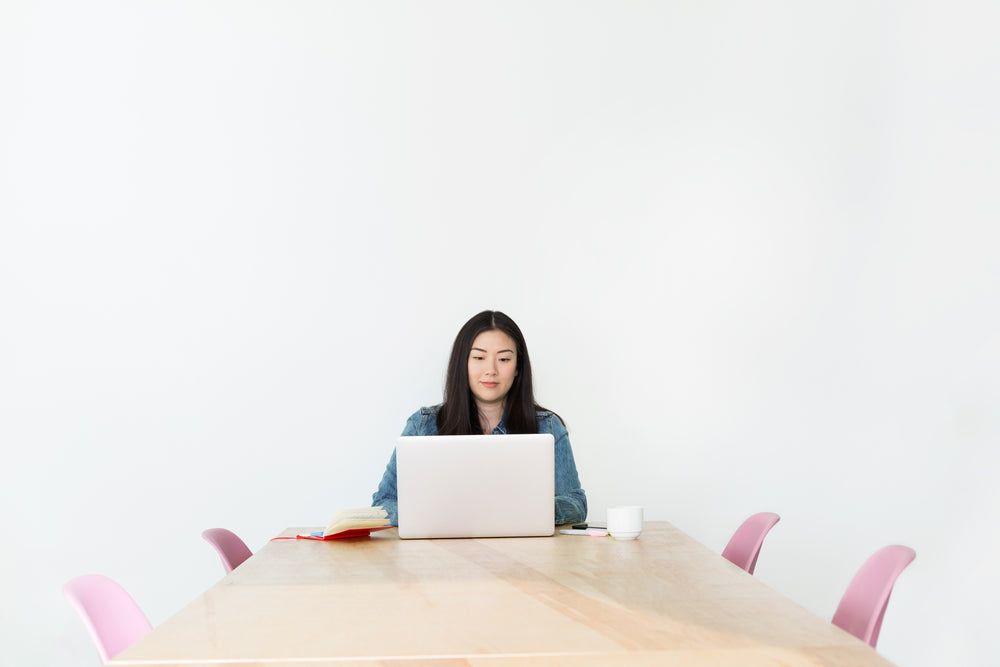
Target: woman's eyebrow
479, 349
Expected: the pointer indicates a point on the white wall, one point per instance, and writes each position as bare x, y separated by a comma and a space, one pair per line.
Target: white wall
752, 247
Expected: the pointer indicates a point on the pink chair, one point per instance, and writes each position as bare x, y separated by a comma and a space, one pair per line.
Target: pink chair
861, 609
231, 549
112, 617
744, 547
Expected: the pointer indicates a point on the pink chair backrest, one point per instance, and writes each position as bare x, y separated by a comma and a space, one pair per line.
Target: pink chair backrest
231, 549
112, 617
861, 609
744, 547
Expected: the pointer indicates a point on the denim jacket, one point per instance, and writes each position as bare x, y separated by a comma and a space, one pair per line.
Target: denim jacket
571, 501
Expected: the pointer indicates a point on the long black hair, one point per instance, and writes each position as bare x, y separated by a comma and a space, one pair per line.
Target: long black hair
459, 414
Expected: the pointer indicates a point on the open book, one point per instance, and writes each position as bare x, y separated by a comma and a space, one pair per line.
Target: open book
352, 523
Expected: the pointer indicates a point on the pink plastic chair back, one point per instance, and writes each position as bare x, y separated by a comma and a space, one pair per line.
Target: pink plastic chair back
231, 549
112, 617
861, 609
744, 547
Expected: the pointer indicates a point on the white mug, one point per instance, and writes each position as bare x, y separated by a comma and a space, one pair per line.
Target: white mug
625, 522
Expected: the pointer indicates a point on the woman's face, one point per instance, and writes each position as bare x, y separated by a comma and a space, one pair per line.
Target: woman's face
492, 367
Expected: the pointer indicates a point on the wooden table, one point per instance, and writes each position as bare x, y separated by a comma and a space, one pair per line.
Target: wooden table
563, 600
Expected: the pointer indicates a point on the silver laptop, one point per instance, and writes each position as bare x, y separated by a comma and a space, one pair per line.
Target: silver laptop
476, 485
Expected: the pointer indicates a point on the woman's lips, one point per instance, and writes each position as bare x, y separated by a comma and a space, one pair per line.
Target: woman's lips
489, 385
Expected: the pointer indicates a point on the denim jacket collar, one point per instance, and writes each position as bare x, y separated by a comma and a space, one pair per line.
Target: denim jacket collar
501, 428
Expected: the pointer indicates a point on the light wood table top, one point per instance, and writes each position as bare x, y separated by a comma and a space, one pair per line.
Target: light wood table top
663, 599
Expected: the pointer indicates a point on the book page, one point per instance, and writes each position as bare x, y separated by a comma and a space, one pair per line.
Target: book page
364, 517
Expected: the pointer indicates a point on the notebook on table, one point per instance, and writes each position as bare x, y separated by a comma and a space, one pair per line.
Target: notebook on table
475, 485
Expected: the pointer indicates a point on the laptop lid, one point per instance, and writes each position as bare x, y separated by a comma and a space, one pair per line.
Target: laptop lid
475, 485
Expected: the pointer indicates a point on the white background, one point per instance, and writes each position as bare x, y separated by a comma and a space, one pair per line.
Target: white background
752, 246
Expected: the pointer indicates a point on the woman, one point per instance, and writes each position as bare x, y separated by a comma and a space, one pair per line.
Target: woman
488, 390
